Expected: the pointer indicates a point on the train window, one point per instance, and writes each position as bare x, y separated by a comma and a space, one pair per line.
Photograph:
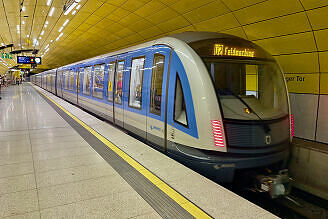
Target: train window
111, 72
98, 81
119, 82
156, 84
87, 80
180, 114
135, 93
66, 84
71, 80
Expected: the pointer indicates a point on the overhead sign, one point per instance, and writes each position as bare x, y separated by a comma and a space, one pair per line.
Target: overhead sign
28, 60
224, 50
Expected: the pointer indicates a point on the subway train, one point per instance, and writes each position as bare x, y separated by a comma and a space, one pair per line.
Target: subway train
214, 102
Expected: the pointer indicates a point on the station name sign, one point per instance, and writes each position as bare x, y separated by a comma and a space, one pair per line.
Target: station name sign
224, 50
28, 60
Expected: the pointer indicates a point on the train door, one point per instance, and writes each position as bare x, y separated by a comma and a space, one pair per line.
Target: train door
181, 120
156, 107
118, 91
58, 83
135, 119
110, 86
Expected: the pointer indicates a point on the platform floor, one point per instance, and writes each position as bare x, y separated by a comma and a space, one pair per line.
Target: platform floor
48, 170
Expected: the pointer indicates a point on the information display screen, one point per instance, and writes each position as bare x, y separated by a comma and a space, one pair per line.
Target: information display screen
23, 60
28, 60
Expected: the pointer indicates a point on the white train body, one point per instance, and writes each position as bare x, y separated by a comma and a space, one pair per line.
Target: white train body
203, 98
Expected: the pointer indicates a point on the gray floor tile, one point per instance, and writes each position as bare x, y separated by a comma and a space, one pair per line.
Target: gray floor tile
58, 146
67, 162
58, 139
17, 183
18, 203
44, 155
15, 149
15, 158
31, 215
82, 190
74, 174
16, 169
117, 205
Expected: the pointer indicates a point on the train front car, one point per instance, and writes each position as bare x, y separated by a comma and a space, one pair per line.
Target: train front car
253, 129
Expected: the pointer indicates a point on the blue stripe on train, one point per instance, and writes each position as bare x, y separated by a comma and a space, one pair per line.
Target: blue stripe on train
176, 67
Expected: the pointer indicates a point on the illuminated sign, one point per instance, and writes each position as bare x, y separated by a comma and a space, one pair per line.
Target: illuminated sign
223, 50
5, 55
28, 60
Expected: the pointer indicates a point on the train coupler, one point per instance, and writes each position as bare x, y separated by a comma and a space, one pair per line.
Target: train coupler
276, 185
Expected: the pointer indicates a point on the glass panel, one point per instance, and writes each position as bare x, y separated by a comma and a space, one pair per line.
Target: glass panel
87, 80
180, 114
135, 93
111, 72
79, 80
71, 80
66, 84
98, 81
119, 82
156, 84
249, 91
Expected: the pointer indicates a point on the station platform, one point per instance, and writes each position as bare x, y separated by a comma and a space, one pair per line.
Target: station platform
58, 161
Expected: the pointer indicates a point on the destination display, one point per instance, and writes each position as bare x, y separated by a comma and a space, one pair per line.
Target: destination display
28, 60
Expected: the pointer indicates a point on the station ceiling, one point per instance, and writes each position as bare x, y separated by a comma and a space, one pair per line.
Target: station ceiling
295, 31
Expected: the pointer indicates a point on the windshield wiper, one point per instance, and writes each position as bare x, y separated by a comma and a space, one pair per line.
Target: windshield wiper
244, 102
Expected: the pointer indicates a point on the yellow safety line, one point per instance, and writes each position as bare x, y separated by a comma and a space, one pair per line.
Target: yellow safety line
177, 197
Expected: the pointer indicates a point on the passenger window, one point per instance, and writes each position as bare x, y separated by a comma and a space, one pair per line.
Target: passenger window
111, 72
98, 81
180, 114
119, 82
71, 80
156, 84
66, 84
87, 80
135, 93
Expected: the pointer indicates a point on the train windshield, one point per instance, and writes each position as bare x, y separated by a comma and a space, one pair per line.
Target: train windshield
249, 90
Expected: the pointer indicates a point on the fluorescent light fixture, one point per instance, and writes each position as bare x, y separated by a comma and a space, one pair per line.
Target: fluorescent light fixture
60, 34
65, 23
17, 27
60, 29
47, 22
51, 41
74, 12
27, 35
70, 8
51, 11
23, 8
47, 46
23, 22
2, 44
45, 26
42, 32
40, 38
78, 7
49, 2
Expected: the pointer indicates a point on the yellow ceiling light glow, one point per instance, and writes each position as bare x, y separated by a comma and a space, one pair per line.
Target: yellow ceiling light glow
49, 2
51, 11
65, 23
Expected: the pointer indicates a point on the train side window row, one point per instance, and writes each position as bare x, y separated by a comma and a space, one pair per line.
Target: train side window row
135, 86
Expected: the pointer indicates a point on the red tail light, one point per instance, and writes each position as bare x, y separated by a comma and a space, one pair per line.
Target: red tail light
292, 125
217, 133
